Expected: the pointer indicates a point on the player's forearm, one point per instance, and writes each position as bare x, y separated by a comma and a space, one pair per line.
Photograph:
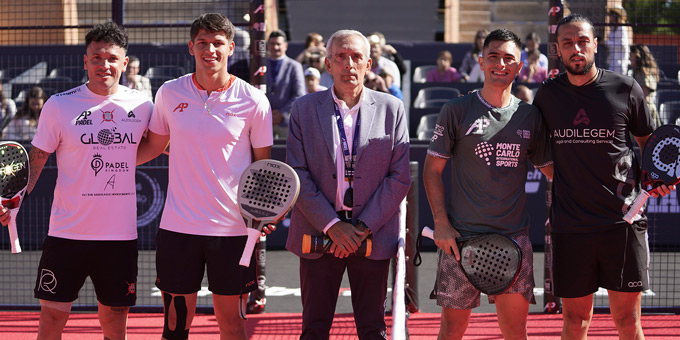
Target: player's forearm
434, 188
37, 159
151, 146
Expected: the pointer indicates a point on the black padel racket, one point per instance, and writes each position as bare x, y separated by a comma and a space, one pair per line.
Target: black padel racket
13, 183
660, 165
491, 262
266, 192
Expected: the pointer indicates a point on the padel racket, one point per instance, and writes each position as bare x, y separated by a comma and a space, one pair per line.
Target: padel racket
491, 262
321, 244
13, 183
660, 165
266, 192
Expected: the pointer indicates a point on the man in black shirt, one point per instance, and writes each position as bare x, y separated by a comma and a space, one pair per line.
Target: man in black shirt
590, 114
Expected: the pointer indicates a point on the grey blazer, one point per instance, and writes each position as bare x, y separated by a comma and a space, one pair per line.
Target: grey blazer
382, 175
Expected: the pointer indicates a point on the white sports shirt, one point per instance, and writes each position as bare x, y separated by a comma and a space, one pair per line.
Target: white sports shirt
210, 147
95, 138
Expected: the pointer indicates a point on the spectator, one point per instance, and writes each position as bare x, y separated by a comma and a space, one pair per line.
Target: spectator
524, 93
7, 109
315, 57
389, 52
134, 80
389, 84
23, 125
471, 59
314, 42
285, 82
379, 61
532, 71
533, 41
312, 77
618, 40
444, 73
646, 73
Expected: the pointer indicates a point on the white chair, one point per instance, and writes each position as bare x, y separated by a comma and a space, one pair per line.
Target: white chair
434, 97
420, 73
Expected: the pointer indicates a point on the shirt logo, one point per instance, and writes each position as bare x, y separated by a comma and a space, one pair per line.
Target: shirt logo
581, 118
97, 164
181, 107
83, 120
480, 124
107, 116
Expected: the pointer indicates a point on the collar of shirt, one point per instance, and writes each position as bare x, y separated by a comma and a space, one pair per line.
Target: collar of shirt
342, 106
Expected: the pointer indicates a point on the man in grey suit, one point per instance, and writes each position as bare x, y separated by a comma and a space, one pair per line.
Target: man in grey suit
285, 82
349, 145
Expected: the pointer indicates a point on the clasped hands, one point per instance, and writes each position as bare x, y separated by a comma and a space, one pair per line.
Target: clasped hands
347, 238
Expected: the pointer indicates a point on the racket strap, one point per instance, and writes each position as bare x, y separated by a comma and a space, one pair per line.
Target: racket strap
417, 259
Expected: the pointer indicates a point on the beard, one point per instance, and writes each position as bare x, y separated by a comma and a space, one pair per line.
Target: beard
578, 71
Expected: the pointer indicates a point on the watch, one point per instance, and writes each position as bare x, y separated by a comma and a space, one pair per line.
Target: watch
362, 224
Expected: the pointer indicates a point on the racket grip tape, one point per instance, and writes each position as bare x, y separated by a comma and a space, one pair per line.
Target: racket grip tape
253, 235
636, 207
428, 232
320, 244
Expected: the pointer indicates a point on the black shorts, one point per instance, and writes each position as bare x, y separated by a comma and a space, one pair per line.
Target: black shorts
65, 264
181, 260
615, 259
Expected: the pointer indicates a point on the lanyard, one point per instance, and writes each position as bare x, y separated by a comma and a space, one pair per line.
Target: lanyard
349, 159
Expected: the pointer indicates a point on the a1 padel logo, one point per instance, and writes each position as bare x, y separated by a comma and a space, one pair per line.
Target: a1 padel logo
581, 118
83, 119
181, 107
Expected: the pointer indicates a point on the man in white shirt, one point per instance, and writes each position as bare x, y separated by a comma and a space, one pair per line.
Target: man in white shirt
94, 129
217, 125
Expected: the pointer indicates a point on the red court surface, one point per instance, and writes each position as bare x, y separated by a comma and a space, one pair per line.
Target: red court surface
286, 326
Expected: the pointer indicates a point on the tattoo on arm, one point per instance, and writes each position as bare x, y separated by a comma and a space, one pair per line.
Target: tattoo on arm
37, 159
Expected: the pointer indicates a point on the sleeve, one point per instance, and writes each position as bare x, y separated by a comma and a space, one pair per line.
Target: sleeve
444, 135
539, 152
297, 89
261, 134
430, 76
48, 133
640, 120
159, 121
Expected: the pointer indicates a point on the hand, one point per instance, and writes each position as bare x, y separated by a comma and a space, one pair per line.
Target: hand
4, 216
277, 117
389, 49
346, 237
661, 190
268, 229
445, 238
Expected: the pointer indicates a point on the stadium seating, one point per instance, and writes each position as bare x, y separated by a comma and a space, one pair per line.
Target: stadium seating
434, 97
420, 73
426, 126
669, 112
75, 73
165, 71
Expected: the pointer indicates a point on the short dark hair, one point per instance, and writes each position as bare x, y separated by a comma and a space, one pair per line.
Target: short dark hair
108, 32
572, 18
212, 22
534, 37
278, 33
502, 34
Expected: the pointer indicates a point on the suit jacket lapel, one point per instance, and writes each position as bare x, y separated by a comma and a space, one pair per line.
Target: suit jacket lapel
324, 112
368, 113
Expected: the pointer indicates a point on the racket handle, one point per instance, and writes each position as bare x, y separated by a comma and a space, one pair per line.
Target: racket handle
13, 235
428, 232
253, 235
636, 207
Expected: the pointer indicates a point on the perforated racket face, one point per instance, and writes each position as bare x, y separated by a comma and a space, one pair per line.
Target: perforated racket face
661, 156
491, 262
267, 190
13, 169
